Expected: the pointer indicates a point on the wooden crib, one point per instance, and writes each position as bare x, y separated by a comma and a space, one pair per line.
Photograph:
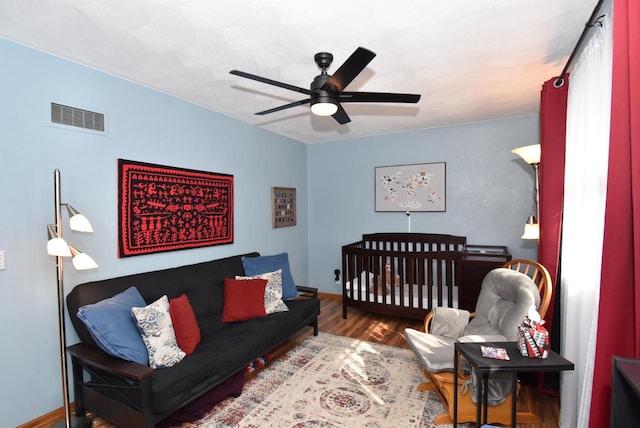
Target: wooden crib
401, 274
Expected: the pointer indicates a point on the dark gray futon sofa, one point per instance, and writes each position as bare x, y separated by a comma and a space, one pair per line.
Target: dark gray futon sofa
129, 394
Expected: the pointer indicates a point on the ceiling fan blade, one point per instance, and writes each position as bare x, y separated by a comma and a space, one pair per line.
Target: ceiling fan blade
270, 82
378, 97
286, 106
341, 116
350, 69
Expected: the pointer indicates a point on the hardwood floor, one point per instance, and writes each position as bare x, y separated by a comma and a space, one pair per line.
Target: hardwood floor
373, 328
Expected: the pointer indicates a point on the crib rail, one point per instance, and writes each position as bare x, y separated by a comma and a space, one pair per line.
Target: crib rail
401, 274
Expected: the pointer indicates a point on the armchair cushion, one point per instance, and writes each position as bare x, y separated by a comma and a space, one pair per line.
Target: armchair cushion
449, 322
434, 352
504, 300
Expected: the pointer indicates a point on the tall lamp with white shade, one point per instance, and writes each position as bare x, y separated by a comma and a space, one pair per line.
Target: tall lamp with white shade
531, 155
58, 247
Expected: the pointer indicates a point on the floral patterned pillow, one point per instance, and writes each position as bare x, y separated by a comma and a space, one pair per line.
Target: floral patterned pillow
273, 292
155, 326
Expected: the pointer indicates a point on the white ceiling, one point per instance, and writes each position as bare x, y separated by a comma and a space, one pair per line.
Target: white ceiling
471, 60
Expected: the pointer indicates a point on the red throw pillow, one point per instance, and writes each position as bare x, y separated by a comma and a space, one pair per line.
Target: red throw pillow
185, 324
243, 299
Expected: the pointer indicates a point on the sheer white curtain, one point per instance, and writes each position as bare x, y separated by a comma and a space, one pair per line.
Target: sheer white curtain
587, 148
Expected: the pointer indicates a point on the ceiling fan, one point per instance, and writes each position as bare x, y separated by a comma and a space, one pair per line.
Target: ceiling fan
327, 91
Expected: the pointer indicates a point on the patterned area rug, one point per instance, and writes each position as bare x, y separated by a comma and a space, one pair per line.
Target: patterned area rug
332, 381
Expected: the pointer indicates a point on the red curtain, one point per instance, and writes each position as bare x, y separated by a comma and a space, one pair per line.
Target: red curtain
619, 310
553, 125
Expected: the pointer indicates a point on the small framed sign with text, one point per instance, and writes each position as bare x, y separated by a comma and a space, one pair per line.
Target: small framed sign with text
283, 206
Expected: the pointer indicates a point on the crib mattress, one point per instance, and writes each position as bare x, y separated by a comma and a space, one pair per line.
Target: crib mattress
404, 300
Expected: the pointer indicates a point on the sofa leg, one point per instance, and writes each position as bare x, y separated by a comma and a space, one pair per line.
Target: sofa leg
315, 327
78, 380
147, 406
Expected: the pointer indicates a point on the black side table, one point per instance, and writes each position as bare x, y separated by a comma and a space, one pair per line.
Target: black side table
625, 391
485, 366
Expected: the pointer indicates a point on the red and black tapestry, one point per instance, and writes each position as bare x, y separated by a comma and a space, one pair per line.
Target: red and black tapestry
162, 208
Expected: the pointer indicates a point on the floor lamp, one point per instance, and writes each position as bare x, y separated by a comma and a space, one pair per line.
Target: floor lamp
531, 155
58, 247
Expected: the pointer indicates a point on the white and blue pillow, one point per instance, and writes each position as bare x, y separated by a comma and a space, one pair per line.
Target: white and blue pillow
156, 328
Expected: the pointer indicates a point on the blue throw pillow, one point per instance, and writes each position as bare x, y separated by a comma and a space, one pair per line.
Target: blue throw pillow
113, 328
265, 264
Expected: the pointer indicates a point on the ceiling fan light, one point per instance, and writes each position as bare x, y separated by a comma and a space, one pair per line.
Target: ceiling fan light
324, 109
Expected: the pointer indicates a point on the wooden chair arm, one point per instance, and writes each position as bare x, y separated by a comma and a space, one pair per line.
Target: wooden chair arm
308, 290
94, 357
427, 321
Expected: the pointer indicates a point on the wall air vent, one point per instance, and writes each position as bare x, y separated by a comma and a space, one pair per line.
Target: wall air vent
72, 116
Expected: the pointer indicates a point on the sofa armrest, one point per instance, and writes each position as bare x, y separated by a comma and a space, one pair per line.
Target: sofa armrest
94, 357
307, 291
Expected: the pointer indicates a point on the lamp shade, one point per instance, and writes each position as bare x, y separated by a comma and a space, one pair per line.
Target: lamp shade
530, 154
77, 221
82, 261
531, 228
58, 247
80, 223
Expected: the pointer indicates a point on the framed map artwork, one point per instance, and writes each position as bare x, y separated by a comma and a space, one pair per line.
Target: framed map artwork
419, 187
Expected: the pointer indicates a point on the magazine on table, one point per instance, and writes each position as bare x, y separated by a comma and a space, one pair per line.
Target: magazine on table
494, 352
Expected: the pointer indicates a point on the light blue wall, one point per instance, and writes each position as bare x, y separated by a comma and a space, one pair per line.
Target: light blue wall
489, 195
489, 190
144, 125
